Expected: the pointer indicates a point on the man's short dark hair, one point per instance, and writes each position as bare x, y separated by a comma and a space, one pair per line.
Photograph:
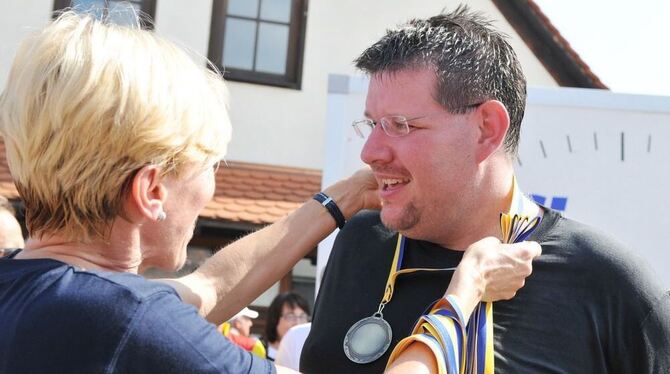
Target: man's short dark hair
473, 62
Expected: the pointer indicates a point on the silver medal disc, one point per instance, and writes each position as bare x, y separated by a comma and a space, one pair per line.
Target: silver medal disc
368, 339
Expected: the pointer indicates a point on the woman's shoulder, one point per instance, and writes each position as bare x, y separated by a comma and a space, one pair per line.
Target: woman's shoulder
52, 286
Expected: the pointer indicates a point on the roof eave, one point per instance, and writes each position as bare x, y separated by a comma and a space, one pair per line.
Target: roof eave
548, 45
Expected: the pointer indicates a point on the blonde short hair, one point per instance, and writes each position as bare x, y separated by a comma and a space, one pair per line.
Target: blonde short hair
87, 104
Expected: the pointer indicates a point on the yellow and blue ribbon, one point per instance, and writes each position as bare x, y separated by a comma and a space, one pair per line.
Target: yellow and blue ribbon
459, 346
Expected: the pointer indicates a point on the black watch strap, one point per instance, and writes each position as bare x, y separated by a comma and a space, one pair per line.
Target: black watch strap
332, 208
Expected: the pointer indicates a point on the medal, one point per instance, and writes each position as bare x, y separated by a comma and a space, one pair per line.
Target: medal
368, 339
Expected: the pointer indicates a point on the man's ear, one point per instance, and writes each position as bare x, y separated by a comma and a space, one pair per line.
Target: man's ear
148, 193
493, 125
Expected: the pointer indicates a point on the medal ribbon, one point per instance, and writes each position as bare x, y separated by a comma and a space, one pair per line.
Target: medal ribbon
352, 343
396, 271
459, 346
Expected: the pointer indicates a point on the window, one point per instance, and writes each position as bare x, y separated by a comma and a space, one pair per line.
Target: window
122, 12
259, 41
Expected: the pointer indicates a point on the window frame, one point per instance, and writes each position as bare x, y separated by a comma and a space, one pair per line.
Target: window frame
294, 53
148, 8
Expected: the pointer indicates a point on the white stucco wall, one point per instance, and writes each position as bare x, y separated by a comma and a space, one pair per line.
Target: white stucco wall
276, 125
185, 23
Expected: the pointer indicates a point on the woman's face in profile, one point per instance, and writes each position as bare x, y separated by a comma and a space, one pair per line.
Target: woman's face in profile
164, 242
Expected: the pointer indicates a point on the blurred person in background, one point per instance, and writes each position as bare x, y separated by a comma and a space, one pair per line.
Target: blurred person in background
286, 310
11, 236
238, 330
290, 348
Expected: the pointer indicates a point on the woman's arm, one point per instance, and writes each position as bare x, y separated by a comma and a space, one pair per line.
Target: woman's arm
244, 269
416, 359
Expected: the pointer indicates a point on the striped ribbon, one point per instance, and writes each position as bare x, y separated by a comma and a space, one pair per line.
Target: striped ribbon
459, 346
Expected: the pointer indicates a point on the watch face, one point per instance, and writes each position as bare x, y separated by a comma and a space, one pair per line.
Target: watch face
601, 158
367, 340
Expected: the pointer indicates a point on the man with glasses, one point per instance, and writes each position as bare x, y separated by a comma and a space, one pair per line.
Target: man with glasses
443, 115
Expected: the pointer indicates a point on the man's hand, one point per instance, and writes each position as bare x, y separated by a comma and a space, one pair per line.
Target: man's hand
491, 271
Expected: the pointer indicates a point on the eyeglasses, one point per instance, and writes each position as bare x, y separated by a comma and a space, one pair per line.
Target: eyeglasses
296, 317
397, 126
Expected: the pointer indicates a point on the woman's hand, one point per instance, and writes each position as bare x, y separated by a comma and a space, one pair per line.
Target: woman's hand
491, 271
357, 192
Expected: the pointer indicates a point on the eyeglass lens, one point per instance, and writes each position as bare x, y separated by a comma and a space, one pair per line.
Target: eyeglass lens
295, 317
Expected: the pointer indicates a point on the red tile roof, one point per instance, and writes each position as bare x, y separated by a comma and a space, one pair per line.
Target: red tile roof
260, 194
245, 193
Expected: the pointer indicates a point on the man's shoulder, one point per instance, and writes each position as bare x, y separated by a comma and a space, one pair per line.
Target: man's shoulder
599, 256
586, 242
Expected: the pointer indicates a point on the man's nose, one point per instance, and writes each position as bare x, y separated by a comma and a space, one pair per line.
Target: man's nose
376, 148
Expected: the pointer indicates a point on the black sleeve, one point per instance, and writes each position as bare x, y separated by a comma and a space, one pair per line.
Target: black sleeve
649, 349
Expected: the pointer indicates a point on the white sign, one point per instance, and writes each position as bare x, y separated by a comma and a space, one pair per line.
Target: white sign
597, 156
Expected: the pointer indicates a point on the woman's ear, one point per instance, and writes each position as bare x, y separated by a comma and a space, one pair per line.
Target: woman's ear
493, 125
148, 193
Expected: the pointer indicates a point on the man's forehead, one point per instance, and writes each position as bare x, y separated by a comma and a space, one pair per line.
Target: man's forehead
400, 91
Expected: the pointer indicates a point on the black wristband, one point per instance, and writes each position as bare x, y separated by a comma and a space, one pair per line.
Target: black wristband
332, 208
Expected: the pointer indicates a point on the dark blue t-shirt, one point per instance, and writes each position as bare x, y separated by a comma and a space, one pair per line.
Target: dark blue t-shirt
56, 318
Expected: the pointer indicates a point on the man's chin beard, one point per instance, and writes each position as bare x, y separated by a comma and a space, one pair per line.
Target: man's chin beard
409, 218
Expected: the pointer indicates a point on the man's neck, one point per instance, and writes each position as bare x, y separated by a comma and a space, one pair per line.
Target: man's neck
482, 218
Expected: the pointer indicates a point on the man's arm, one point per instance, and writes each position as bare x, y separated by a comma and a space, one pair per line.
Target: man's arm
241, 271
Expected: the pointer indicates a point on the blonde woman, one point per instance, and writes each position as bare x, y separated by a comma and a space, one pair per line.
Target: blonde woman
112, 136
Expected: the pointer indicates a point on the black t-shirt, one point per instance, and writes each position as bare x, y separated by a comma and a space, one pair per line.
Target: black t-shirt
590, 306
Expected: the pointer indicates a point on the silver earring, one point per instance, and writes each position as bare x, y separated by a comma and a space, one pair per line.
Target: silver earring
161, 216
